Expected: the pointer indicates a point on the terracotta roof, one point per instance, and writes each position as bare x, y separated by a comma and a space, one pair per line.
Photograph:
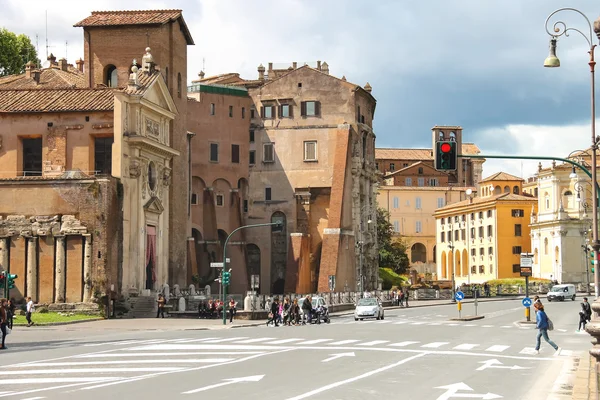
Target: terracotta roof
488, 199
418, 154
220, 78
502, 176
429, 167
50, 78
427, 188
144, 82
136, 17
56, 100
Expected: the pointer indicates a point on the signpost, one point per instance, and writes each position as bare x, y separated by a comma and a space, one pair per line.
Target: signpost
526, 270
459, 296
216, 265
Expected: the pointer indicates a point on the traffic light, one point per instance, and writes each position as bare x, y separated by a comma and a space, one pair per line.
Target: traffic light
2, 280
10, 278
593, 259
226, 277
445, 156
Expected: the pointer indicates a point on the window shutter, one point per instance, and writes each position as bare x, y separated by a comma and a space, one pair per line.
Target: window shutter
317, 108
262, 111
291, 111
303, 109
279, 111
273, 110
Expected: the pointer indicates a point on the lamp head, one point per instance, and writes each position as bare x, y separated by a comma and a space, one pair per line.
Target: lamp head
573, 174
597, 27
552, 61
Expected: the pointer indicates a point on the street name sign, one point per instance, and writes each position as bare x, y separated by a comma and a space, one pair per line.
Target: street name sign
216, 265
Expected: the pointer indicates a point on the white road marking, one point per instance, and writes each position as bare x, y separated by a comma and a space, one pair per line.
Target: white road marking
162, 361
206, 346
386, 321
434, 345
315, 341
373, 343
497, 348
226, 382
256, 340
339, 355
470, 325
506, 326
89, 370
354, 379
527, 350
435, 324
465, 346
34, 398
281, 341
487, 326
400, 322
36, 380
403, 344
344, 342
566, 353
226, 339
418, 323
561, 330
452, 324
108, 355
192, 340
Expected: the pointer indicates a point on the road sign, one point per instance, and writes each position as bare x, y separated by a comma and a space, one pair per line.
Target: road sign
526, 260
525, 271
526, 302
459, 296
254, 281
216, 265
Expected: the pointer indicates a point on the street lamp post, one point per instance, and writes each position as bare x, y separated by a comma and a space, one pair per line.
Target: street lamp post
361, 244
587, 265
451, 247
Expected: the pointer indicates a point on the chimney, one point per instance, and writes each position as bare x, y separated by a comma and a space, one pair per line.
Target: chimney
79, 65
325, 68
62, 64
368, 88
36, 75
29, 69
261, 72
295, 64
319, 65
201, 75
52, 59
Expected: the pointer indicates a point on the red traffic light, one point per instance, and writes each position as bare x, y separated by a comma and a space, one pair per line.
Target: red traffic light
445, 147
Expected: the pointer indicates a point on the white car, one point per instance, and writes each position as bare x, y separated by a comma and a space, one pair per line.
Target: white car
562, 292
368, 308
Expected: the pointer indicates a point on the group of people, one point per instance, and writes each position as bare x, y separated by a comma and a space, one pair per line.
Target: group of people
399, 297
287, 312
7, 315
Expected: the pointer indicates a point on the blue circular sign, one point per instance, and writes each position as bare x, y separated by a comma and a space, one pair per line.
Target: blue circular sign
526, 302
459, 296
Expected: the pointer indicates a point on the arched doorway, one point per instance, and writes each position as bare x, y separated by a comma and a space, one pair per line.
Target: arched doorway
418, 253
450, 264
252, 261
465, 263
444, 272
457, 269
278, 254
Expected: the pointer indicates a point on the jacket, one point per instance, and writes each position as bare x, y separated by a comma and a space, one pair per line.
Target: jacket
306, 305
275, 308
541, 320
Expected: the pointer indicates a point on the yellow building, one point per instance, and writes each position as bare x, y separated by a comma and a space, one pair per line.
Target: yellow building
411, 214
481, 238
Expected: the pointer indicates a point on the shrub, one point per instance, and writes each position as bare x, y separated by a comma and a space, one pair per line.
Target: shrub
42, 310
390, 278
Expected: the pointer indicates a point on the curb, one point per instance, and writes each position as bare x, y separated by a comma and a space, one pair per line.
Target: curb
585, 380
61, 323
468, 318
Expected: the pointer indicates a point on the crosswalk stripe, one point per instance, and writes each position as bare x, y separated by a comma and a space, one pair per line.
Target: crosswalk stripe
226, 339
385, 321
315, 341
527, 350
435, 324
402, 344
566, 353
163, 361
27, 381
465, 346
452, 324
506, 326
487, 326
373, 343
341, 342
167, 354
281, 341
255, 340
418, 323
497, 348
470, 325
434, 345
190, 340
400, 322
88, 370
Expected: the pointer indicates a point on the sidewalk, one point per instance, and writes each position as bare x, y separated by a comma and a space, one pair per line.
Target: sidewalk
585, 386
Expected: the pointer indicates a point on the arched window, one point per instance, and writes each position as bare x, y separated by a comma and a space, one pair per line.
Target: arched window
506, 189
546, 246
497, 190
179, 85
420, 171
110, 76
440, 135
453, 136
515, 190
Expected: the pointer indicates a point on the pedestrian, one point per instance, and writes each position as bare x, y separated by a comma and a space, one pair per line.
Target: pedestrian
3, 322
11, 311
407, 296
30, 308
161, 306
542, 323
585, 314
275, 311
401, 298
295, 312
286, 312
486, 287
232, 309
307, 308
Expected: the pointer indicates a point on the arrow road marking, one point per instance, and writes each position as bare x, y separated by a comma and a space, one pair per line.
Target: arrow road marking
254, 378
451, 392
496, 364
336, 356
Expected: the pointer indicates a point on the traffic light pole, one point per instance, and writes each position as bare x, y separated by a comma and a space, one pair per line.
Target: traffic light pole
223, 285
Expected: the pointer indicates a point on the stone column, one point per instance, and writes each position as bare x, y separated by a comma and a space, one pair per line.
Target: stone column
32, 267
60, 279
87, 268
4, 245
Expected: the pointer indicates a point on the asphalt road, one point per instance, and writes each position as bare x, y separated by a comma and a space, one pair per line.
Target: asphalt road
415, 353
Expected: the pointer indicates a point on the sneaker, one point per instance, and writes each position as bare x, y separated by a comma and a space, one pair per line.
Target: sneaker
577, 331
557, 352
536, 352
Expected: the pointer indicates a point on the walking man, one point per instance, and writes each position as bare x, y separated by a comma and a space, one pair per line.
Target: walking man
29, 310
161, 306
541, 323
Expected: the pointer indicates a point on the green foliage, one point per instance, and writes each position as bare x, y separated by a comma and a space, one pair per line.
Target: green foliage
516, 281
15, 52
390, 279
392, 251
42, 310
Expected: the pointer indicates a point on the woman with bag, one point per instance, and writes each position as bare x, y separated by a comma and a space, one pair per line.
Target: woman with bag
543, 324
3, 322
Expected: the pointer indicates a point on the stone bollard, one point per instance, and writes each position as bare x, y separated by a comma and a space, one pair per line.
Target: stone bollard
437, 294
192, 290
176, 290
207, 290
181, 304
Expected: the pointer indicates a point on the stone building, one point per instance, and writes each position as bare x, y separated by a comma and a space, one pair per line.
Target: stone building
312, 166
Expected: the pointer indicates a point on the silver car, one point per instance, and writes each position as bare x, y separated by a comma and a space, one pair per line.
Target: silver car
368, 308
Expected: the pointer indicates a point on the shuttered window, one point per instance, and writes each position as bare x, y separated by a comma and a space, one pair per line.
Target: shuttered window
268, 153
214, 152
285, 111
310, 151
310, 109
235, 153
267, 112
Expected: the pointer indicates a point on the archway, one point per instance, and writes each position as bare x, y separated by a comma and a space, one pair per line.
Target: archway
278, 254
110, 76
506, 189
443, 271
418, 253
497, 190
434, 254
465, 263
450, 264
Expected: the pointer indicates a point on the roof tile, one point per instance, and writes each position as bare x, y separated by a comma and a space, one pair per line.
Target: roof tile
418, 154
56, 100
130, 17
502, 176
50, 78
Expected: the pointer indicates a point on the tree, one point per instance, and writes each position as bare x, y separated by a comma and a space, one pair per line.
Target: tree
15, 52
392, 250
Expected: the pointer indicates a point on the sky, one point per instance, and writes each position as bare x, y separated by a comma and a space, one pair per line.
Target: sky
473, 63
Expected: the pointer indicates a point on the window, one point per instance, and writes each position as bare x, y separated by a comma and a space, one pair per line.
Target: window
245, 206
480, 214
517, 229
251, 135
472, 216
489, 213
418, 227
252, 113
285, 111
473, 252
235, 153
111, 78
490, 250
420, 171
456, 218
443, 221
421, 182
516, 250
310, 108
516, 268
214, 152
230, 111
268, 153
243, 112
408, 181
440, 202
179, 85
456, 235
481, 251
220, 200
463, 217
472, 233
433, 182
547, 201
463, 234
392, 167
103, 155
32, 157
481, 231
268, 194
310, 150
252, 157
481, 269
546, 246
377, 166
517, 213
194, 199
212, 108
418, 203
442, 237
268, 112
473, 269
396, 226
489, 230
396, 202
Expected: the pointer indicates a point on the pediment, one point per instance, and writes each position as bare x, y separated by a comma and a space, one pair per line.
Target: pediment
158, 94
154, 205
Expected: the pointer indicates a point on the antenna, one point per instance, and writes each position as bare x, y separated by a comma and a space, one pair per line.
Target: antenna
46, 34
203, 69
66, 49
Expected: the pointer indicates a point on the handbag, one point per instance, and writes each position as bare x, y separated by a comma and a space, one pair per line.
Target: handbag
550, 325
